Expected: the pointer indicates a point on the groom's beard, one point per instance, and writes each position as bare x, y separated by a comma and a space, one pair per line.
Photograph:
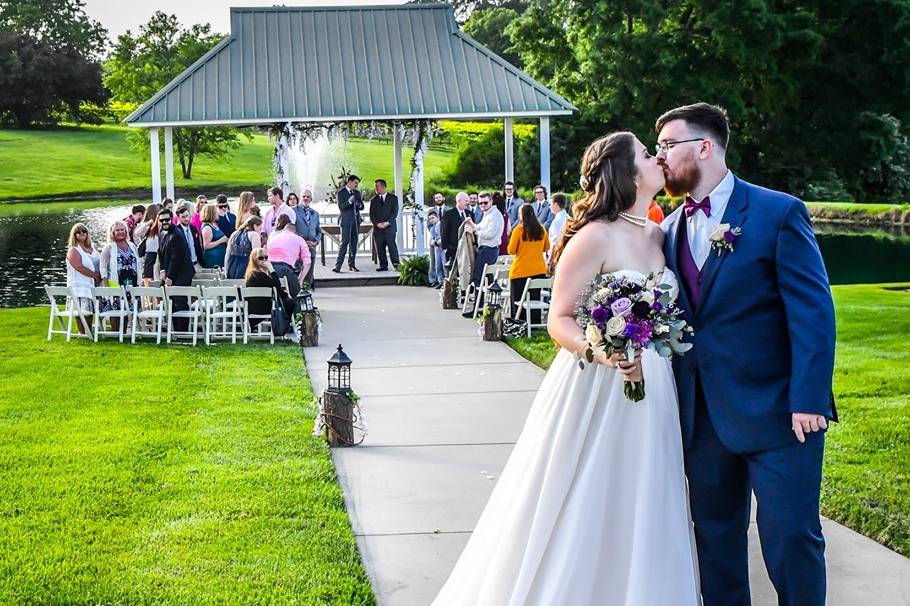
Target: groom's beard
683, 181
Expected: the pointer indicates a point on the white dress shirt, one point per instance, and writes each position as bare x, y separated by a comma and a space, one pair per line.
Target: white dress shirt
489, 230
699, 227
556, 227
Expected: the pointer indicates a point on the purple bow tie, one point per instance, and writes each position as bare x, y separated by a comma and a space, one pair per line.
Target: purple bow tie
691, 206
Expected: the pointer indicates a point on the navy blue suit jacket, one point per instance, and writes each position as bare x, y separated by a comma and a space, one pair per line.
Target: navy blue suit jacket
764, 329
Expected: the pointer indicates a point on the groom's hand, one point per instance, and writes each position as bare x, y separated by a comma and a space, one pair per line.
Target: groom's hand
807, 423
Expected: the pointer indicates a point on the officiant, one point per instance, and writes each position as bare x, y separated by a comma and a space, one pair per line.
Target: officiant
350, 203
384, 216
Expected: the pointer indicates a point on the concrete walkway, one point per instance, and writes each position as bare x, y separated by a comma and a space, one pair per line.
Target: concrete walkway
444, 409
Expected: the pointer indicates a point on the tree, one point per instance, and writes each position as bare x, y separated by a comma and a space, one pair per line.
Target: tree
490, 27
140, 66
39, 80
57, 23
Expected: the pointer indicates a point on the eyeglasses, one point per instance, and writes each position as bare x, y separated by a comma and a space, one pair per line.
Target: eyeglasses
264, 258
80, 232
225, 206
485, 202
164, 220
665, 146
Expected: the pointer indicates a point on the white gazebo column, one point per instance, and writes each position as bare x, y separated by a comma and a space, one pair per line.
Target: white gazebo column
418, 198
510, 150
155, 151
169, 161
399, 185
283, 165
545, 152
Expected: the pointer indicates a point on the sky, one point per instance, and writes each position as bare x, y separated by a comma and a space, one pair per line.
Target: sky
118, 16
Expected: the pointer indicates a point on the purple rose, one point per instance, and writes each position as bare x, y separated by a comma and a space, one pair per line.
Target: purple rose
729, 236
621, 307
600, 314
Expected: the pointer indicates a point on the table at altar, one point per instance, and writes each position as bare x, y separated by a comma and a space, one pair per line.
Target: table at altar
333, 231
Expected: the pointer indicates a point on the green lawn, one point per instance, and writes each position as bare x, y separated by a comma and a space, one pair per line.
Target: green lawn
144, 474
96, 159
867, 464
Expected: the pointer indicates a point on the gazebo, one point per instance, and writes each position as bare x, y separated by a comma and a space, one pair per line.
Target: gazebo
395, 64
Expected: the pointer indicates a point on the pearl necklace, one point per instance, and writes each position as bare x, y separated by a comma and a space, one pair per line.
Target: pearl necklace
634, 219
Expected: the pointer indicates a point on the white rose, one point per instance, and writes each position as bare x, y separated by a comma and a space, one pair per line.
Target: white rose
592, 334
648, 297
616, 326
718, 234
660, 329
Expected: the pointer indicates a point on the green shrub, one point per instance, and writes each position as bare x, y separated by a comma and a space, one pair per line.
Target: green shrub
414, 271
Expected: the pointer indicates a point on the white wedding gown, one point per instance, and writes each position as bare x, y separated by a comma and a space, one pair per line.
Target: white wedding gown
592, 506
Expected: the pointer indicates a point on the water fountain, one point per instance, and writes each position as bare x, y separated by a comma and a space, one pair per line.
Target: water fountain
312, 164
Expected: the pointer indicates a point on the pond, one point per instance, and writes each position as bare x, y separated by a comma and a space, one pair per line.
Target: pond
32, 250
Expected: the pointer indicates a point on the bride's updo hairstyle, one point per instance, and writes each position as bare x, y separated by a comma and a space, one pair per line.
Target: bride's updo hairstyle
608, 181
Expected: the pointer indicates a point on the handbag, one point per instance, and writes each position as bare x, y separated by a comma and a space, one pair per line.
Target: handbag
281, 324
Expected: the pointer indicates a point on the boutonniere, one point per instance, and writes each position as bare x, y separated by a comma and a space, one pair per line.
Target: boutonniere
722, 238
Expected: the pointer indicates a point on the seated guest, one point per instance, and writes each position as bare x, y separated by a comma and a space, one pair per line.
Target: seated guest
214, 242
655, 212
196, 220
260, 273
489, 235
82, 265
307, 227
560, 216
437, 256
240, 245
148, 219
133, 219
227, 221
285, 249
528, 243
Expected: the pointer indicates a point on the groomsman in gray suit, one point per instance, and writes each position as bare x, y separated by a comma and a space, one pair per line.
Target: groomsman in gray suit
513, 202
542, 207
308, 228
350, 203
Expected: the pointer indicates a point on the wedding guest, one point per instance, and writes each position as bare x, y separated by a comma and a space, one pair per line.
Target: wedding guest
168, 204
513, 202
150, 245
655, 212
437, 257
214, 242
186, 205
500, 204
542, 206
560, 216
528, 243
244, 207
82, 265
261, 273
439, 204
227, 221
196, 220
384, 217
350, 203
133, 219
240, 245
473, 206
119, 264
285, 249
278, 209
451, 222
308, 228
489, 236
293, 200
179, 252
151, 213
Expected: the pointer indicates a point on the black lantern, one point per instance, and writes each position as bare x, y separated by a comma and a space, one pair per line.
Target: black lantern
494, 295
306, 300
340, 372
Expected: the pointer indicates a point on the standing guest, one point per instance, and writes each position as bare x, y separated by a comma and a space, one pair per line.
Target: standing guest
168, 204
185, 204
500, 204
119, 264
560, 216
655, 212
245, 207
240, 245
278, 209
82, 265
227, 221
384, 217
513, 202
489, 236
439, 203
437, 258
196, 220
261, 273
151, 244
293, 200
148, 220
308, 228
178, 255
285, 249
214, 242
528, 243
473, 206
350, 203
133, 219
542, 206
451, 223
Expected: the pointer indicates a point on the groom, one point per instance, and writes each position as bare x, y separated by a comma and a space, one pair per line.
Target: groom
755, 390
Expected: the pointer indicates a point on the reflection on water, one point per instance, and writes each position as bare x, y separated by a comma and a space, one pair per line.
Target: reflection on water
33, 251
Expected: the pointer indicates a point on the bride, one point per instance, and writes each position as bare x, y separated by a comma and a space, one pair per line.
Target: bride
591, 508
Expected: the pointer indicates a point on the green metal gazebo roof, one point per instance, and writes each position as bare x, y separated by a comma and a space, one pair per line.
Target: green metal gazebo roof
320, 64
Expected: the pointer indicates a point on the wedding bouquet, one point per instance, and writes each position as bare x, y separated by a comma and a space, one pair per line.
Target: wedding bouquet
619, 314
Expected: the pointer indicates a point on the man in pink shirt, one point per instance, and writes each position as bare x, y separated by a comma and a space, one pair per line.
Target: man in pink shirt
285, 249
279, 208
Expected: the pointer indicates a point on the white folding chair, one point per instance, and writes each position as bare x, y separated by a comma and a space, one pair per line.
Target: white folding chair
203, 282
193, 314
148, 308
246, 293
70, 311
505, 260
489, 276
220, 303
527, 303
235, 282
121, 313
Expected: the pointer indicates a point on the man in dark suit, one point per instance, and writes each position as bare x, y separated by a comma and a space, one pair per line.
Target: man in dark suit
451, 222
383, 216
227, 221
350, 203
179, 254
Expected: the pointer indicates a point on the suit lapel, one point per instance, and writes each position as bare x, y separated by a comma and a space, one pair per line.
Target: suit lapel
673, 227
735, 216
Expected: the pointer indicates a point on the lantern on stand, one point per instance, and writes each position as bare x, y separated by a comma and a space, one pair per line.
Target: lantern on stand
492, 313
309, 319
337, 412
